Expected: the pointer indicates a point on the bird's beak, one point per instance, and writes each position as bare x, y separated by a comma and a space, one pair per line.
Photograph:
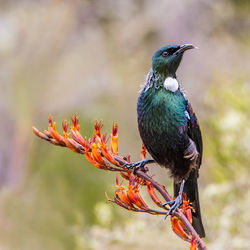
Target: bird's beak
185, 47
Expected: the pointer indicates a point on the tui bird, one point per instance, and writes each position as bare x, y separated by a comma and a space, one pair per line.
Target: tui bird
169, 129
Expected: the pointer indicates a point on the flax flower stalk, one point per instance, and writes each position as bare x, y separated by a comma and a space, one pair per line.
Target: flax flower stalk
97, 152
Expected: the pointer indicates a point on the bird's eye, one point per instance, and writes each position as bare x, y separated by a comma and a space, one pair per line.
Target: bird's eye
165, 53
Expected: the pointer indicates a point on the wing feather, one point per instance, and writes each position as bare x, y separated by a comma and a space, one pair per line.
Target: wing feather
194, 132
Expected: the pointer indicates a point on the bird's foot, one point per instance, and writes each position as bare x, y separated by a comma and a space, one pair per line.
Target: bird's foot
138, 165
174, 205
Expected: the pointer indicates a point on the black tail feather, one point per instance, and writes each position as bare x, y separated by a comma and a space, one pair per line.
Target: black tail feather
191, 189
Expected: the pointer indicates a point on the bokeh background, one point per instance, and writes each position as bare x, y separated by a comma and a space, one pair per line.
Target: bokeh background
90, 57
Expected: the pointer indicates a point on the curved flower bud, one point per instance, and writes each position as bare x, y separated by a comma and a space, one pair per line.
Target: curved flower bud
152, 194
178, 228
40, 134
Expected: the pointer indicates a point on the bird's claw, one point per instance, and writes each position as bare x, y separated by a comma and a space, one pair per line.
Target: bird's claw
174, 205
131, 165
137, 165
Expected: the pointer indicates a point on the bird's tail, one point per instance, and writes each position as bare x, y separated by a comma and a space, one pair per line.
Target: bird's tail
191, 189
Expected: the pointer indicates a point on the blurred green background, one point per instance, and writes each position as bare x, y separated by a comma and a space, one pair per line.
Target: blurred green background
90, 57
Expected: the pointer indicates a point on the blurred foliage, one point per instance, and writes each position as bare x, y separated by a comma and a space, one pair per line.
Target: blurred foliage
227, 130
227, 159
90, 57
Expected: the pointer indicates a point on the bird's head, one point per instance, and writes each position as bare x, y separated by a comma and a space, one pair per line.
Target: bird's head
166, 60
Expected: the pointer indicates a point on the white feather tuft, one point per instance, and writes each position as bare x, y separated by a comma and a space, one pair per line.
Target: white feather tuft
171, 84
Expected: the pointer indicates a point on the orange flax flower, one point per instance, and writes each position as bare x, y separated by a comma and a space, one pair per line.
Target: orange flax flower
186, 208
96, 155
98, 127
121, 195
91, 160
178, 228
193, 244
107, 154
53, 132
133, 193
152, 194
101, 139
76, 134
114, 140
75, 122
66, 136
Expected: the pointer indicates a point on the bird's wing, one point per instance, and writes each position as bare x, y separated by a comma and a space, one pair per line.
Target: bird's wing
194, 132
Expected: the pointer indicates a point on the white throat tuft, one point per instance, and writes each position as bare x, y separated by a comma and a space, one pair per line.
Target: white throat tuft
171, 84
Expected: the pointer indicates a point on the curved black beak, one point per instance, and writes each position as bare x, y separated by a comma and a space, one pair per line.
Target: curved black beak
185, 47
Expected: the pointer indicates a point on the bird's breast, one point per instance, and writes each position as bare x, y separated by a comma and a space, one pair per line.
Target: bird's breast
161, 122
161, 111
